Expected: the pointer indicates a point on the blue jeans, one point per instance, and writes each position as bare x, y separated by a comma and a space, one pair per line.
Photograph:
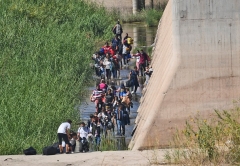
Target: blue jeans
114, 72
97, 140
120, 127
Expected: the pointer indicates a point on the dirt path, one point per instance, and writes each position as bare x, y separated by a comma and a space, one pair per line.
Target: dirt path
126, 158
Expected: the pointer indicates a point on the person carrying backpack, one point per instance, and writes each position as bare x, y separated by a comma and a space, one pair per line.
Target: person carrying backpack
117, 30
133, 76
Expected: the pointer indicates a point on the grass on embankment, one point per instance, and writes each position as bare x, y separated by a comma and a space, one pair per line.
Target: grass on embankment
215, 141
45, 54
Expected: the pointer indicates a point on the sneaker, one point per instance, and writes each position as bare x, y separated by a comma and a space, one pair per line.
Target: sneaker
132, 92
68, 152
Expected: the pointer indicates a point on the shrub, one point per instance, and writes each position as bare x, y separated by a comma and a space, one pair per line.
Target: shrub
205, 142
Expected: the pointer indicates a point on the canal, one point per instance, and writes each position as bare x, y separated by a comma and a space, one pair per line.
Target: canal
143, 38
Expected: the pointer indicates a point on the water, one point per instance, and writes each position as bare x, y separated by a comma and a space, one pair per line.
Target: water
143, 36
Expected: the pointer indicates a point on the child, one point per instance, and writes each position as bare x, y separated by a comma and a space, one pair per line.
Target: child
73, 142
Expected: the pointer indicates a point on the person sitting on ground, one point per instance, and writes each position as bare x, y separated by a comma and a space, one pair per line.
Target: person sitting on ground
73, 141
63, 134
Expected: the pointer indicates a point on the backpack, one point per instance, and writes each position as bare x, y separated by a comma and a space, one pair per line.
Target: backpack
30, 151
130, 40
128, 83
49, 150
118, 29
101, 51
109, 125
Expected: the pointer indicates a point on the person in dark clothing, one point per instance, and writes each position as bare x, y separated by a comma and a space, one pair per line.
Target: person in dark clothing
97, 135
97, 60
115, 43
125, 38
133, 76
122, 120
117, 30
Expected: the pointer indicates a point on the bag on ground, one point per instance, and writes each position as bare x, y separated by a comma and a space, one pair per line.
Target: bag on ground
30, 151
49, 150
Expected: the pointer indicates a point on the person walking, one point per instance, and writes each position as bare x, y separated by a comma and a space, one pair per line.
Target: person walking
143, 62
122, 120
133, 76
117, 30
137, 56
96, 97
63, 133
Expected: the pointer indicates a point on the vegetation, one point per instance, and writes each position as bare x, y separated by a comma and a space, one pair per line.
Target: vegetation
150, 17
208, 143
45, 54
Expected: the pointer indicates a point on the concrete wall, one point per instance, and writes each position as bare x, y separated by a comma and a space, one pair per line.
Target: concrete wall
196, 68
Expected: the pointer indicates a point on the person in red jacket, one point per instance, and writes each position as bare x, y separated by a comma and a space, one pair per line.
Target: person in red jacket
106, 48
143, 62
112, 51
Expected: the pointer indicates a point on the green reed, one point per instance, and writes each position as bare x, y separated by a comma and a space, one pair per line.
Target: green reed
46, 48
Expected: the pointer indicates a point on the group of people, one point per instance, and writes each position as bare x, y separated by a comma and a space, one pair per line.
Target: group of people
112, 104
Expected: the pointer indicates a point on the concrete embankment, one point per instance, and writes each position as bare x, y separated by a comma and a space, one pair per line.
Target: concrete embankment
196, 68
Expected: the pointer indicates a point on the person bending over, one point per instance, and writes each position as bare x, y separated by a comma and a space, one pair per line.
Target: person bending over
63, 134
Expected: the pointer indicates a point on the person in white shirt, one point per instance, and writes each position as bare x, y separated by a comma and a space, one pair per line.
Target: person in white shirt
63, 134
107, 63
83, 131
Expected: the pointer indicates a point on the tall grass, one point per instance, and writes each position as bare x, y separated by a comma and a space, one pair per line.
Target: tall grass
44, 63
204, 142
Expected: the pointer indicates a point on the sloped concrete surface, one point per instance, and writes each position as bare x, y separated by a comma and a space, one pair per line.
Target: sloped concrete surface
196, 68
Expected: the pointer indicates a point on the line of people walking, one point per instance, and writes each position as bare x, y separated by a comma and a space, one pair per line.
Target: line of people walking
112, 103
